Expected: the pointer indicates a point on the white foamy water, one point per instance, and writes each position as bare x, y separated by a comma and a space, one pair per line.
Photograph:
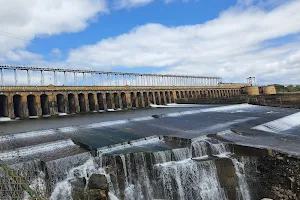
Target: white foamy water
137, 119
282, 124
26, 135
33, 117
105, 124
5, 119
188, 179
243, 188
152, 140
175, 105
68, 129
36, 149
38, 185
63, 189
230, 109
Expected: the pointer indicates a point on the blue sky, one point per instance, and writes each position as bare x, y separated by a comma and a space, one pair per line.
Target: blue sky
232, 39
121, 21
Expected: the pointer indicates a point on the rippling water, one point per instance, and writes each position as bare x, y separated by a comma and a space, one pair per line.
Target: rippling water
53, 140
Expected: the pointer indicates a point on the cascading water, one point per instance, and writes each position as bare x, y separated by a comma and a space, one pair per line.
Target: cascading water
243, 188
170, 174
187, 179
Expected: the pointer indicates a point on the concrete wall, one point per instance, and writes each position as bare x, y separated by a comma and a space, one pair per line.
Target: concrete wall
269, 90
24, 102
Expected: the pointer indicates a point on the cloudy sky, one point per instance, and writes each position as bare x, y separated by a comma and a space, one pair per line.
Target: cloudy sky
233, 39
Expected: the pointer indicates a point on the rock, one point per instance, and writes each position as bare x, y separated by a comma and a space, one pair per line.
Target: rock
98, 181
227, 176
78, 186
98, 194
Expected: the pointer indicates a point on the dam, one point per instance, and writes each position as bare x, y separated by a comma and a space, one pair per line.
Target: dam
135, 142
114, 90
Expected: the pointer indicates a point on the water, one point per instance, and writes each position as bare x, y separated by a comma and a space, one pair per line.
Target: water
170, 174
138, 168
243, 188
281, 125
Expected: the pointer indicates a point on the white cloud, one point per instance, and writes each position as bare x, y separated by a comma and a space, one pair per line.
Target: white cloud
21, 21
231, 46
121, 4
56, 53
234, 45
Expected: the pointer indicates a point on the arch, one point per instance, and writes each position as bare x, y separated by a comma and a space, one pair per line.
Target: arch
193, 94
156, 98
201, 94
92, 105
133, 100
172, 97
108, 100
167, 97
190, 94
140, 99
162, 99
146, 100
81, 100
151, 98
31, 103
45, 104
116, 100
181, 94
3, 106
177, 95
186, 94
60, 101
208, 93
197, 94
124, 100
100, 101
72, 104
17, 101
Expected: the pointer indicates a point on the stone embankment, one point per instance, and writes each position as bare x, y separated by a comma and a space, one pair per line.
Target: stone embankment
278, 100
276, 173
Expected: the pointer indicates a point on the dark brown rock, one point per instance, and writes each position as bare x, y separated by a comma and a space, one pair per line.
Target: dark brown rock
98, 181
227, 176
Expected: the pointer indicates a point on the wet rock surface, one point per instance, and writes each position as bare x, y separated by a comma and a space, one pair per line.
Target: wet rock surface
280, 176
227, 176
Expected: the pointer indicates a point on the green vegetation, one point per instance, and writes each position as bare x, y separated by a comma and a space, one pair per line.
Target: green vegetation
288, 88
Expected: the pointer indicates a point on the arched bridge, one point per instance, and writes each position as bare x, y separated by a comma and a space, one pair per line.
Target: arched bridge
93, 91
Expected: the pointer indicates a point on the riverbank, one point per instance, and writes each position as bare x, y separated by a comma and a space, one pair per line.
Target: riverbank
284, 100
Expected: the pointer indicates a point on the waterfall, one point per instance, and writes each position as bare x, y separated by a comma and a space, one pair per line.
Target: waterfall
169, 174
199, 148
188, 179
63, 189
243, 189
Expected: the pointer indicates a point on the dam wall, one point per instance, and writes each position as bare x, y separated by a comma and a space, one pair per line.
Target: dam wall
35, 101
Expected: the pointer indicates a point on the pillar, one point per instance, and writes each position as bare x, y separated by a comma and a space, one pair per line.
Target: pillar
128, 98
53, 107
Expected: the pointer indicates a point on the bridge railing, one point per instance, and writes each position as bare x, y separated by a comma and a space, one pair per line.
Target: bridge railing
37, 76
